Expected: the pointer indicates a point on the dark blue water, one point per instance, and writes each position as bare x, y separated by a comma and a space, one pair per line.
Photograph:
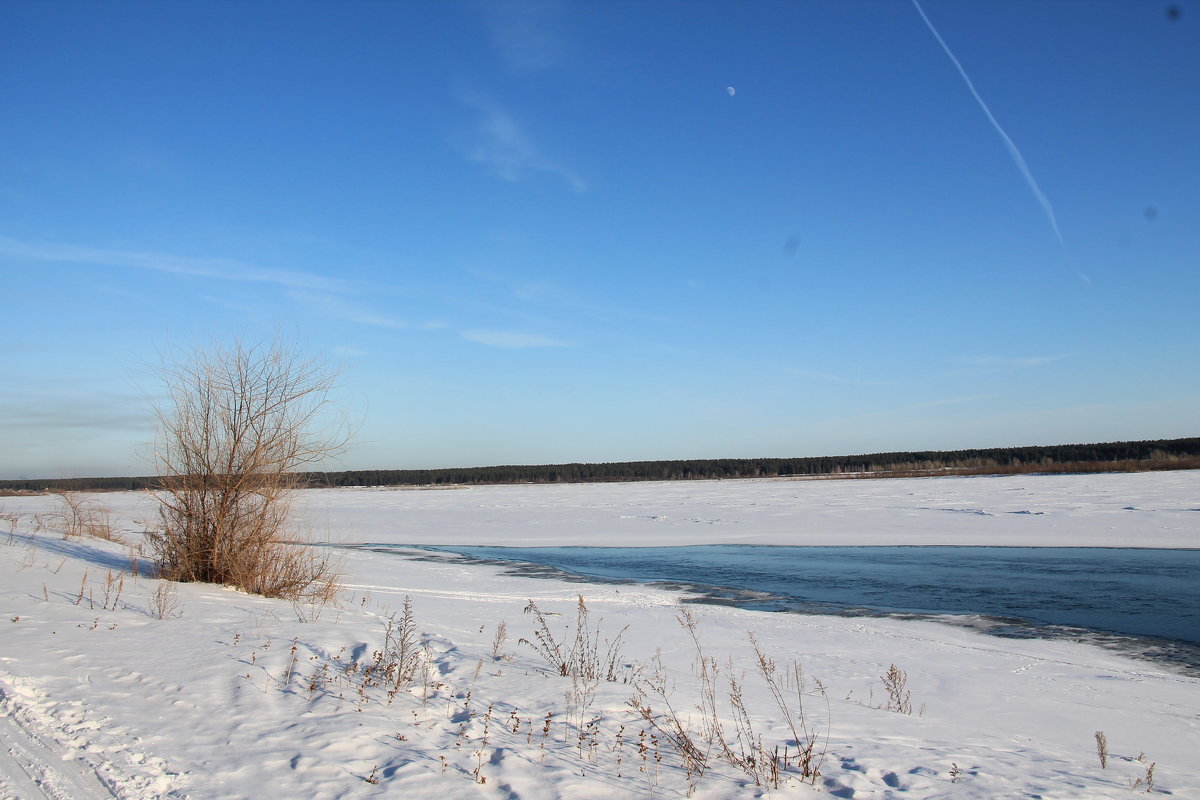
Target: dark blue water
1140, 600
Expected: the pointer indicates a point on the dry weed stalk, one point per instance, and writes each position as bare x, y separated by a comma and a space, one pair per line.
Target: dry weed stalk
742, 746
481, 751
291, 667
241, 422
708, 671
579, 698
82, 588
12, 518
323, 591
403, 655
1102, 749
113, 586
164, 601
899, 698
694, 748
1146, 782
581, 657
806, 757
397, 664
31, 555
498, 641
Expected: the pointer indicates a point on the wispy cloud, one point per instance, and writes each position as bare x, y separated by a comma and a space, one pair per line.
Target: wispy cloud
946, 401
529, 35
546, 292
340, 308
330, 297
511, 341
810, 374
502, 146
219, 268
1004, 363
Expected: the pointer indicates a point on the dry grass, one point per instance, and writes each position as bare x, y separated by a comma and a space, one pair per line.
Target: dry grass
730, 732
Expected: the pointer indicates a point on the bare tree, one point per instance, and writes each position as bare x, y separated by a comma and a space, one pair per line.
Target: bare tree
240, 423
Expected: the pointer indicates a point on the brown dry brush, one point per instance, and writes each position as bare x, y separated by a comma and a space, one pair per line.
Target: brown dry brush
742, 745
83, 516
806, 757
708, 671
577, 654
401, 664
403, 656
694, 747
240, 424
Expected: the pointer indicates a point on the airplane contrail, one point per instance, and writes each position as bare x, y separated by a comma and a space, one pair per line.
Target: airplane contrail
1017, 158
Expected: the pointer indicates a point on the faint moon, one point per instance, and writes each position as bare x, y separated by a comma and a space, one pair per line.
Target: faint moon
731, 90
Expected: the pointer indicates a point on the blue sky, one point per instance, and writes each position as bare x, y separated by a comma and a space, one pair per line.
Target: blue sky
553, 231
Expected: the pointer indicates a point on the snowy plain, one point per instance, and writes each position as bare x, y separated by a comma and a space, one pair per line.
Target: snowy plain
233, 696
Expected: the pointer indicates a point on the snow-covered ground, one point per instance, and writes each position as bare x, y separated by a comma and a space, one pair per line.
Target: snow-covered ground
232, 696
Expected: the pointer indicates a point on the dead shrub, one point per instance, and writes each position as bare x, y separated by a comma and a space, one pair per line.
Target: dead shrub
83, 516
240, 423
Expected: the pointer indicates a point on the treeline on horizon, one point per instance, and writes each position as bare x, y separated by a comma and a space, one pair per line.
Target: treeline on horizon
1103, 457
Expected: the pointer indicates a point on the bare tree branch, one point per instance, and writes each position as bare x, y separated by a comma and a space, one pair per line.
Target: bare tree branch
240, 423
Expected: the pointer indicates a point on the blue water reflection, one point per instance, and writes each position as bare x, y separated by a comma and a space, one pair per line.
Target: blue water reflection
1129, 592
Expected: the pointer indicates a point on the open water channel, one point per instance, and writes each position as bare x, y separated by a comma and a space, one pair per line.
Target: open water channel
1142, 601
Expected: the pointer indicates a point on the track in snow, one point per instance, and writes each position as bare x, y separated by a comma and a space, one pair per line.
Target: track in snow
33, 766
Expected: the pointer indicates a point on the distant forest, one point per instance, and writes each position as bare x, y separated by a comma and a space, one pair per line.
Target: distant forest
1107, 457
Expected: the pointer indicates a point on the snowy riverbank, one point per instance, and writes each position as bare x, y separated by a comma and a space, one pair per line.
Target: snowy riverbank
232, 696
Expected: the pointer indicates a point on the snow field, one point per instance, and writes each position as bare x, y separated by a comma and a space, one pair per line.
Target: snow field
236, 696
